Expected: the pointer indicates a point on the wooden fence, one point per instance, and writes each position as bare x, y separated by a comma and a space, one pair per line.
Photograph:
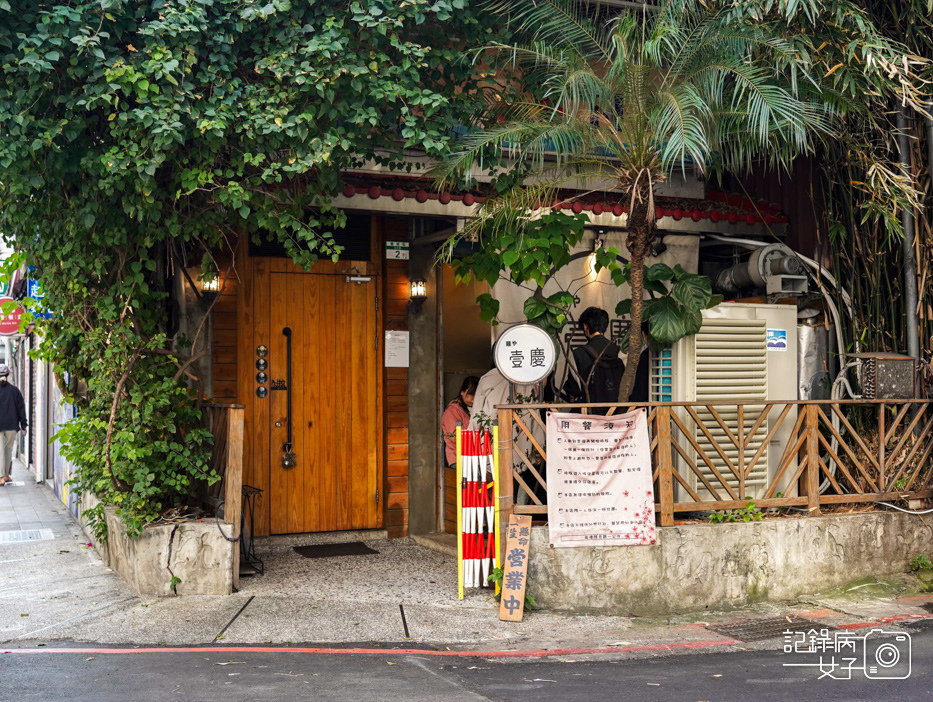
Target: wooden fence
721, 455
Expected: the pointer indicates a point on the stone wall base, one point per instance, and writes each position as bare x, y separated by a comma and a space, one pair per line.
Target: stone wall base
201, 558
721, 566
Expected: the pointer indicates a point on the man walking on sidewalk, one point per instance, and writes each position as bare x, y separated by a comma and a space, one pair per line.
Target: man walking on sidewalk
12, 420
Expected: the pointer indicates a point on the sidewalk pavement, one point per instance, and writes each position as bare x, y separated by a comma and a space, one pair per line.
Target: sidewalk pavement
24, 505
58, 590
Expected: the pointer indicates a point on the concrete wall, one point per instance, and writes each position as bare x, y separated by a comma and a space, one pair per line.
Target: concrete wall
200, 556
424, 431
720, 566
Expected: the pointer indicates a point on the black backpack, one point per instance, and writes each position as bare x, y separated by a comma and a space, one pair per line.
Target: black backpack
606, 376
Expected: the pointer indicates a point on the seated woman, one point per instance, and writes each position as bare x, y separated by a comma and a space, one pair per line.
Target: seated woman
457, 411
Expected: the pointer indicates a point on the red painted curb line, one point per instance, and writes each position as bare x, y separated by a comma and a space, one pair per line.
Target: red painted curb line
534, 653
884, 620
537, 653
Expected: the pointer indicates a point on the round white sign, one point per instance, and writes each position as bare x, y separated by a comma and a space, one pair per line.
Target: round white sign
525, 354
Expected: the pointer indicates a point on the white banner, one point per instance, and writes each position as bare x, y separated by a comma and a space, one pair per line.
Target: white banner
599, 483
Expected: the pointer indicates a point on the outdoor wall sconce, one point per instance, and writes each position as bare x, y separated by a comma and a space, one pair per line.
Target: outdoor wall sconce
209, 287
419, 293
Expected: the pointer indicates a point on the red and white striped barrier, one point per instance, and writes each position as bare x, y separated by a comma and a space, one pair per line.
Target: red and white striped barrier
476, 512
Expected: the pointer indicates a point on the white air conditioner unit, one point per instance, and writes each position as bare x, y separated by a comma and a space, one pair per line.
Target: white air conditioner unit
743, 353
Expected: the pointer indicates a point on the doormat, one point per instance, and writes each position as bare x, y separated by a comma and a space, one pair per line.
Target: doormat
351, 548
772, 628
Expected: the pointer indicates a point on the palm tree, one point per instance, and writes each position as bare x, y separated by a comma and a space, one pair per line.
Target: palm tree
632, 96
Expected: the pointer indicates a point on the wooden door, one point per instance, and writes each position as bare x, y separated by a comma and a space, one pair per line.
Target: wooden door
335, 418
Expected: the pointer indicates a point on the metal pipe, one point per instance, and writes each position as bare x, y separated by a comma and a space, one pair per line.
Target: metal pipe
833, 310
754, 244
908, 249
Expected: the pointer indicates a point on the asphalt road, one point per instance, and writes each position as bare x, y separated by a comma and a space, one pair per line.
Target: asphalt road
254, 676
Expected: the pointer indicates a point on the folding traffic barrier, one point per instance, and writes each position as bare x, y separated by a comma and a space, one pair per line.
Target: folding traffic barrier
477, 501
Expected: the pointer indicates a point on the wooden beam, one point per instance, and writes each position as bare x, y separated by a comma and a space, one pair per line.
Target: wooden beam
233, 482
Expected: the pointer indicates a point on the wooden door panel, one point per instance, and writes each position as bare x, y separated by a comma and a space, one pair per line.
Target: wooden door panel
343, 368
336, 420
309, 396
358, 466
328, 457
374, 436
296, 478
279, 480
362, 471
260, 429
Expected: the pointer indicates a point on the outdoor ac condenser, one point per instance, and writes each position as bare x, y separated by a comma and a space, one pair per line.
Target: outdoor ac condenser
743, 353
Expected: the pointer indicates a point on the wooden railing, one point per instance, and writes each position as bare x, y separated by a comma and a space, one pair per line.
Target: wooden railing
721, 455
225, 497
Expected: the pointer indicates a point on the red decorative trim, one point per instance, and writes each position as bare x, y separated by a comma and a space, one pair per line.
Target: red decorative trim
717, 207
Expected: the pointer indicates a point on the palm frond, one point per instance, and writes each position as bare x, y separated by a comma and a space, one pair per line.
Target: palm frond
561, 23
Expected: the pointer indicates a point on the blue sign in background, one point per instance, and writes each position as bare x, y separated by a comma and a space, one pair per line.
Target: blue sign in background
34, 291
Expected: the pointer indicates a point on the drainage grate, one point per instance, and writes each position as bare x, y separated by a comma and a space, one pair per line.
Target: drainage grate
761, 629
26, 535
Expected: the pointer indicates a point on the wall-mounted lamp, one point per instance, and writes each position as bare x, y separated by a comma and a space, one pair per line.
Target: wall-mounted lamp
419, 293
210, 288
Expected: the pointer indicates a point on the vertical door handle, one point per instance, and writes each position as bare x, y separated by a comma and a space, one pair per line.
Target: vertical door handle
288, 456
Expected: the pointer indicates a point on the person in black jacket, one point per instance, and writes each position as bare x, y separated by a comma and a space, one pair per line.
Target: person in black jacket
597, 362
641, 389
12, 420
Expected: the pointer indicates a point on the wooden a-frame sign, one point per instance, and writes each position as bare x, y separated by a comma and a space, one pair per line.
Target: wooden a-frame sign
515, 568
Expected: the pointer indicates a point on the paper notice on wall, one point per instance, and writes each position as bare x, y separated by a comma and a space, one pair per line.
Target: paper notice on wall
396, 349
599, 483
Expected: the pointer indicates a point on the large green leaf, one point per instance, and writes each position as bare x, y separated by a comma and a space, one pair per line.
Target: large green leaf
666, 321
659, 271
693, 320
693, 292
534, 308
655, 286
561, 299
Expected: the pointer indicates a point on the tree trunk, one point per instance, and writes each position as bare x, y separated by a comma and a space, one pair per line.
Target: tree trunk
638, 241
